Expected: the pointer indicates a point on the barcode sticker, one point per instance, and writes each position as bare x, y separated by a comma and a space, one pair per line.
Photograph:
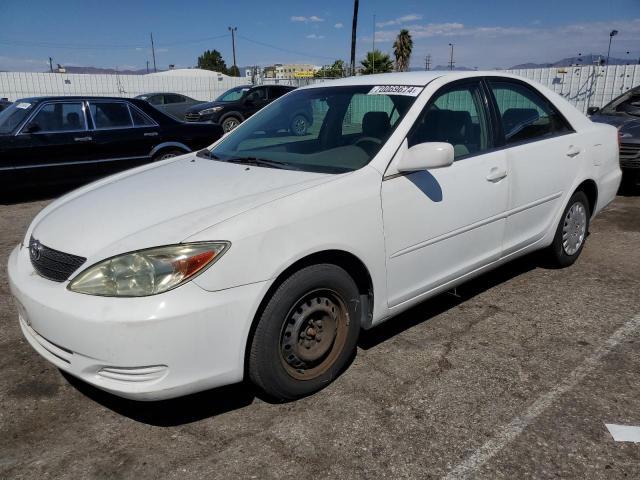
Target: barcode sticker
408, 90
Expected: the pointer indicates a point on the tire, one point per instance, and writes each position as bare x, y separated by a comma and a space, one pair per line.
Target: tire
299, 125
230, 123
306, 334
571, 233
165, 154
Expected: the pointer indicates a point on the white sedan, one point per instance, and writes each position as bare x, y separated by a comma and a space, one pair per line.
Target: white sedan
264, 256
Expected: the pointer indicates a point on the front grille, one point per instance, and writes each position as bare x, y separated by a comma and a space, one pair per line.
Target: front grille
53, 264
192, 117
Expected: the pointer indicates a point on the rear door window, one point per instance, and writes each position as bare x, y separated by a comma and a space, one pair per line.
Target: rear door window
110, 115
140, 119
525, 114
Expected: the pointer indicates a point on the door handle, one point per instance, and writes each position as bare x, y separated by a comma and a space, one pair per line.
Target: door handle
151, 134
82, 139
496, 174
573, 151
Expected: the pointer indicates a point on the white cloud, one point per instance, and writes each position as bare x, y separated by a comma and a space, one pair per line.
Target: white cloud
312, 18
400, 20
338, 25
313, 36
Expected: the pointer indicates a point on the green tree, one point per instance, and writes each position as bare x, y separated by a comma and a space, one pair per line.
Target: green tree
376, 62
233, 71
212, 60
337, 70
402, 48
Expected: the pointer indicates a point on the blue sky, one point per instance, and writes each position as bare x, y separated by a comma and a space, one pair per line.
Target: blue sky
486, 33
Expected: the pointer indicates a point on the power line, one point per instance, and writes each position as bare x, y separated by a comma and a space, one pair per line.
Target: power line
286, 50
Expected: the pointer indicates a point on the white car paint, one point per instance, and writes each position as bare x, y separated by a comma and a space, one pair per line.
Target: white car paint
492, 208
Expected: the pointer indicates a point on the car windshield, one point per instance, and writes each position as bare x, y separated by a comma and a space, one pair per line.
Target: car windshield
626, 104
13, 115
326, 129
233, 94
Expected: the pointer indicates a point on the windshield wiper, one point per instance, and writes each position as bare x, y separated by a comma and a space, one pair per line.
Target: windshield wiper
204, 153
261, 162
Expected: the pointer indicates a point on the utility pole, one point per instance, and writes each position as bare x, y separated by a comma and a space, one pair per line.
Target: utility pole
147, 66
51, 64
233, 43
153, 53
427, 62
354, 27
451, 57
373, 49
611, 35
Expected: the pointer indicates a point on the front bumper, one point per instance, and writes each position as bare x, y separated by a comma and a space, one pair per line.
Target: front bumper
148, 348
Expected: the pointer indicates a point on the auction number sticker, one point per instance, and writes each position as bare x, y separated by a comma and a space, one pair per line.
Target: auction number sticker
23, 105
408, 90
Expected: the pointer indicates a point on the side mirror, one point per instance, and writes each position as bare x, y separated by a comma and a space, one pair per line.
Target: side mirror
592, 110
32, 128
425, 156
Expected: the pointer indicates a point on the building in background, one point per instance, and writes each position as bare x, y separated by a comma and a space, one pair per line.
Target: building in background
289, 71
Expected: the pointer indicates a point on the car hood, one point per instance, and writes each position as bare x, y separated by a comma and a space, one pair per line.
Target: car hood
202, 106
161, 204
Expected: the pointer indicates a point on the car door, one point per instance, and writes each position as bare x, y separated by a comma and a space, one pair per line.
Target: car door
256, 99
124, 135
543, 154
441, 224
175, 105
52, 143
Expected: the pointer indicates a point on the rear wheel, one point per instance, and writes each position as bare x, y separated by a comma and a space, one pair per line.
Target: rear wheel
299, 125
307, 333
571, 232
165, 154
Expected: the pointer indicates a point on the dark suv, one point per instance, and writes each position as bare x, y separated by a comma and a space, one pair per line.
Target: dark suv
236, 105
66, 139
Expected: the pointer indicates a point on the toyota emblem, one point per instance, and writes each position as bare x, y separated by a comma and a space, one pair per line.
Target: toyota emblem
35, 250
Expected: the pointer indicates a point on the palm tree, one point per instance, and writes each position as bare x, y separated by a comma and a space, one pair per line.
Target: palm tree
402, 50
381, 61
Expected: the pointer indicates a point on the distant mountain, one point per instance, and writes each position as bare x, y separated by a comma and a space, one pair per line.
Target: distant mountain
588, 59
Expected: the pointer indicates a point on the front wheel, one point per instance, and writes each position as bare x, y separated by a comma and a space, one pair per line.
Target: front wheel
229, 124
571, 232
164, 155
307, 333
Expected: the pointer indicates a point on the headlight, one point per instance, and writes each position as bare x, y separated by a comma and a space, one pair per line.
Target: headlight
147, 272
207, 111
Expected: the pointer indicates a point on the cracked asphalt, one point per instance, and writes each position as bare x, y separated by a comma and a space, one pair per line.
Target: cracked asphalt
513, 377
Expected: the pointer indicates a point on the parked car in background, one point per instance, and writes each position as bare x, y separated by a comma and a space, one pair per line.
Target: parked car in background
174, 104
236, 105
265, 255
61, 139
624, 113
4, 103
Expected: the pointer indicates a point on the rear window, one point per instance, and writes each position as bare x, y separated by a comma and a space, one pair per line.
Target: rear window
110, 115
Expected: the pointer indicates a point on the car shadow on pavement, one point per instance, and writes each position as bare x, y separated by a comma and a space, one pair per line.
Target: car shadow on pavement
32, 193
435, 306
173, 412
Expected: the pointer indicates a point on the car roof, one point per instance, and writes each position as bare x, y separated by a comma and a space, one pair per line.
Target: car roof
407, 78
71, 97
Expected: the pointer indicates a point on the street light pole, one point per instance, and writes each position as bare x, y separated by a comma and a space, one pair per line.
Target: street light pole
354, 28
233, 44
451, 57
611, 35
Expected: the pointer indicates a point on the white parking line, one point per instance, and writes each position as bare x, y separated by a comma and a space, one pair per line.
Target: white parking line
511, 431
624, 433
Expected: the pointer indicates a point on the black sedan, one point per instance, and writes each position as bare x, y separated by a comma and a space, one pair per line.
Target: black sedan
624, 113
67, 139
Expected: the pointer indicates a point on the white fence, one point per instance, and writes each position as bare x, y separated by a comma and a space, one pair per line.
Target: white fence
582, 86
588, 86
14, 85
